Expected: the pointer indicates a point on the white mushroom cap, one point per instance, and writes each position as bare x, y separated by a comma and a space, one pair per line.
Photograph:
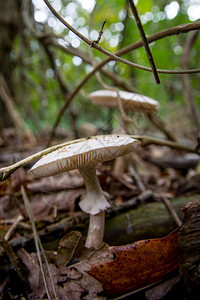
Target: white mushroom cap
83, 153
130, 101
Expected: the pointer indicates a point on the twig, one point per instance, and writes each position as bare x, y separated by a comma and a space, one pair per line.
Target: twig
5, 172
38, 245
183, 28
137, 178
146, 140
143, 36
125, 118
122, 113
100, 34
172, 211
161, 126
114, 56
12, 227
63, 86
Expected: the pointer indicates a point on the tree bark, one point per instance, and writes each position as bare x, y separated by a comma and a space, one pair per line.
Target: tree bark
9, 20
188, 247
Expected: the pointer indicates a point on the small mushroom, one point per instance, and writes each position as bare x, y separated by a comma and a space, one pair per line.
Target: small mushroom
84, 155
130, 101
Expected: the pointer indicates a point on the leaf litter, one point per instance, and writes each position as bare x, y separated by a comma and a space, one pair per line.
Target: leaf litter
52, 199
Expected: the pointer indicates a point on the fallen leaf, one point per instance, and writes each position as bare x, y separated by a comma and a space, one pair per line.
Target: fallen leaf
71, 283
34, 277
138, 264
67, 247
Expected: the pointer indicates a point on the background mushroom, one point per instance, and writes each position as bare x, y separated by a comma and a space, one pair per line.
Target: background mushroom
130, 101
84, 155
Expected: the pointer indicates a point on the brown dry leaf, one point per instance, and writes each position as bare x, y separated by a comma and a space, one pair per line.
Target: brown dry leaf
34, 277
67, 247
138, 264
36, 282
70, 291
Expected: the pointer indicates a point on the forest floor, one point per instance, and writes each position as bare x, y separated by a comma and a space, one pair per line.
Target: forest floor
146, 193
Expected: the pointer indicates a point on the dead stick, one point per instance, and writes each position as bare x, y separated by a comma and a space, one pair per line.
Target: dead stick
172, 211
12, 228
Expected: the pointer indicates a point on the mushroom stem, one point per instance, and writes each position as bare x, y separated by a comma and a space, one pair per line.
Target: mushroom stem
94, 203
96, 231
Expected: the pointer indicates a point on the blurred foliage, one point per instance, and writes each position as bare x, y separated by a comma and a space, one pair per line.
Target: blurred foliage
37, 87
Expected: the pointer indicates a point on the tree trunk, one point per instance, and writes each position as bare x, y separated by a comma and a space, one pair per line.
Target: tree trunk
9, 20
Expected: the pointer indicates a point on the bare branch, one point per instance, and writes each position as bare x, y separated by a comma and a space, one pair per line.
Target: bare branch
114, 56
143, 36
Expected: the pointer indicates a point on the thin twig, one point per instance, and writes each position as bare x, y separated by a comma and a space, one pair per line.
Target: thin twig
63, 87
161, 125
5, 172
172, 211
100, 34
122, 113
146, 141
137, 178
143, 36
12, 227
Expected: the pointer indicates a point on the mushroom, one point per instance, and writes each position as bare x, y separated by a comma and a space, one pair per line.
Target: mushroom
130, 101
84, 155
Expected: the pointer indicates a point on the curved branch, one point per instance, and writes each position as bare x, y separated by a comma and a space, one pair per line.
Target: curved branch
114, 56
5, 172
